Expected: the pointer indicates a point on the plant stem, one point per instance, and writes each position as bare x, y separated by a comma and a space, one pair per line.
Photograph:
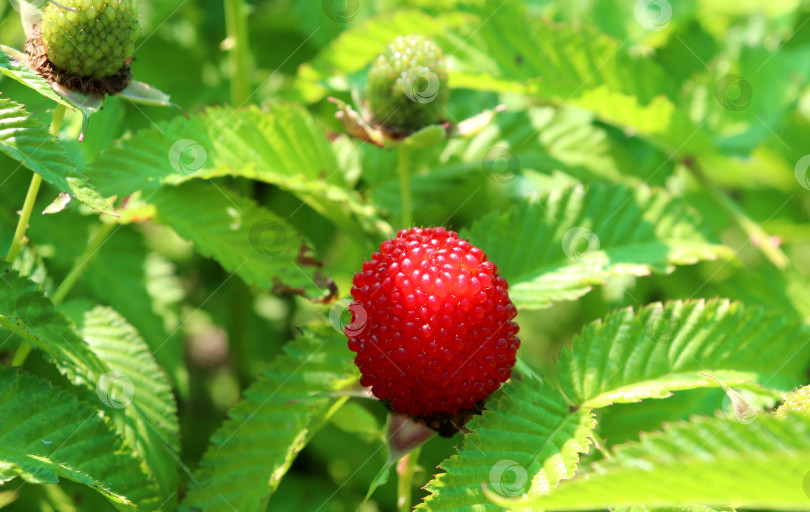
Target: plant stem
93, 245
21, 354
31, 196
405, 186
405, 482
236, 25
25, 216
755, 232
22, 225
239, 57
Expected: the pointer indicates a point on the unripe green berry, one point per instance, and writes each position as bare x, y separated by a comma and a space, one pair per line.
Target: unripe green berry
94, 40
797, 402
407, 85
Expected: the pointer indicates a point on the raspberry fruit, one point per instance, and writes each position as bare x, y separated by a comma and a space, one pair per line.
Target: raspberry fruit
94, 39
85, 45
407, 85
432, 326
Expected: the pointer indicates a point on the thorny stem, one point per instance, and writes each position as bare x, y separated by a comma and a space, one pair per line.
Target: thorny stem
31, 196
405, 471
755, 232
405, 186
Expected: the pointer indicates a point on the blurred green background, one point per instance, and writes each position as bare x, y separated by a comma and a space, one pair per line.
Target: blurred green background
228, 336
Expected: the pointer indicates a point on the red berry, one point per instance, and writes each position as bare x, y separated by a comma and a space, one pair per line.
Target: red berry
432, 324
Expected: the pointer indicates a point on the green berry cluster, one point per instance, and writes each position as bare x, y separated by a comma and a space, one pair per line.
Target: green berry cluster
407, 85
93, 39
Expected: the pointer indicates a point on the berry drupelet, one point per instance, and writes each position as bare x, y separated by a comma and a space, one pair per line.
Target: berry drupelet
432, 326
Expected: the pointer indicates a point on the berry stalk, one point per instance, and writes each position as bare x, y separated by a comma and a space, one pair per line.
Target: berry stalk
405, 471
405, 186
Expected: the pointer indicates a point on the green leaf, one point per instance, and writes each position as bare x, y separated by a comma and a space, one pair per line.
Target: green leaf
25, 311
149, 303
29, 142
356, 419
686, 508
569, 240
112, 368
630, 355
53, 435
712, 461
149, 415
14, 65
277, 416
251, 241
574, 64
784, 290
566, 60
504, 47
282, 146
526, 441
620, 423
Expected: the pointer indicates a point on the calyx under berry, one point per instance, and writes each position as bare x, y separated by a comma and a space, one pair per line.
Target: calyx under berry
437, 336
